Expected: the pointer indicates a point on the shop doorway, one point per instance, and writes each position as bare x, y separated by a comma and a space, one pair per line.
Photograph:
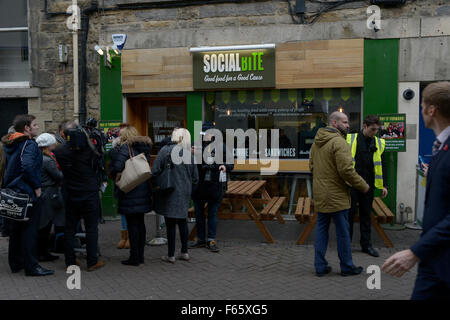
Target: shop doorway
156, 117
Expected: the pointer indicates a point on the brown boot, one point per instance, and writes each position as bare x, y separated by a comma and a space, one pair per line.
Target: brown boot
127, 243
124, 235
98, 265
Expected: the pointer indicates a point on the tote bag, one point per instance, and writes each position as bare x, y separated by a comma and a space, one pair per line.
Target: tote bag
136, 171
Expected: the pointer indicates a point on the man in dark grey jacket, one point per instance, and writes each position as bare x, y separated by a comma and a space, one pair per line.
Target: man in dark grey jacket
209, 191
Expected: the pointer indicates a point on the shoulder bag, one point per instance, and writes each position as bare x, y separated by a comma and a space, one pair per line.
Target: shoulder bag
14, 205
164, 181
136, 171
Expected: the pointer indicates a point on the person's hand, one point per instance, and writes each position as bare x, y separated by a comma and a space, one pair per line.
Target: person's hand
223, 168
399, 263
384, 193
38, 192
425, 168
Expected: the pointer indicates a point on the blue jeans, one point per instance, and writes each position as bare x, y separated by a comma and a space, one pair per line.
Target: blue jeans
213, 207
123, 222
340, 219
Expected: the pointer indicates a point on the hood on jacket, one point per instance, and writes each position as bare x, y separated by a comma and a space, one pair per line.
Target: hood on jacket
326, 134
139, 139
13, 138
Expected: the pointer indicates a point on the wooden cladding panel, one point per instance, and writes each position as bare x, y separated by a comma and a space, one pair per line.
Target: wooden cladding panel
157, 70
320, 64
309, 64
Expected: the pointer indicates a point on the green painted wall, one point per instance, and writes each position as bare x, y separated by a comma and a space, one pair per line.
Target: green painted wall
110, 110
381, 94
194, 110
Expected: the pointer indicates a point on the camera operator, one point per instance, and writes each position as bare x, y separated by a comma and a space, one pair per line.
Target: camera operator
79, 162
210, 190
99, 140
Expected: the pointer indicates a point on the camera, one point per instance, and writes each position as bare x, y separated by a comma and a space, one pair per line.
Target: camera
76, 138
408, 94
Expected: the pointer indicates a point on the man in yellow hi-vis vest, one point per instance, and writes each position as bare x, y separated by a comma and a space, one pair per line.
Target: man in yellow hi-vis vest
368, 161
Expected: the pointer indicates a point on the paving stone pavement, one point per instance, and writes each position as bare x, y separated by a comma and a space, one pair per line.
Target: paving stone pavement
245, 268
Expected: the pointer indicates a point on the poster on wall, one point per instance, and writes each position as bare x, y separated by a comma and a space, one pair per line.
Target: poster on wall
111, 130
393, 130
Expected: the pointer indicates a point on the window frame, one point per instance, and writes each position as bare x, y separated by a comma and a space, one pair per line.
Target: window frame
19, 84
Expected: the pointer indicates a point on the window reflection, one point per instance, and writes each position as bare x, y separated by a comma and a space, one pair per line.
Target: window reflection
297, 113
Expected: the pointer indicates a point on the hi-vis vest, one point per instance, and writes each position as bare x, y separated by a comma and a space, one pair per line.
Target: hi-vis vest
380, 144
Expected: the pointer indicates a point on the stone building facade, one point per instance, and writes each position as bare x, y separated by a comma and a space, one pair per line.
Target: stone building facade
419, 23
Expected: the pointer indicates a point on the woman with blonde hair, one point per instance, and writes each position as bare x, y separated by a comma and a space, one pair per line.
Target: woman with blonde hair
124, 242
175, 204
136, 203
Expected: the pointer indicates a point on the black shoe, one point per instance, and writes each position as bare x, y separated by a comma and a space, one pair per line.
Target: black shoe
355, 271
130, 263
47, 257
39, 271
212, 246
371, 252
198, 244
326, 271
16, 270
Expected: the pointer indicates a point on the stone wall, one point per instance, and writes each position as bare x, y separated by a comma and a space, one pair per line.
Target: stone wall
220, 24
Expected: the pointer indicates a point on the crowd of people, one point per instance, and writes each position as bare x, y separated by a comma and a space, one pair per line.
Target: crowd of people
62, 173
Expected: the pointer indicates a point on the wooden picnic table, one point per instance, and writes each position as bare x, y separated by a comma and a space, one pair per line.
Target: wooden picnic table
251, 195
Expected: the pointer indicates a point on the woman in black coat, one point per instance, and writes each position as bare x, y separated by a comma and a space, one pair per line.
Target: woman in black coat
136, 203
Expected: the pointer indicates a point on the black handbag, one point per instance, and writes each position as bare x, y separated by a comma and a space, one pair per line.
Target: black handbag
164, 182
14, 205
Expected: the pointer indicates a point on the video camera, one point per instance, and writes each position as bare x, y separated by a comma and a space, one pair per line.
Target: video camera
77, 138
88, 135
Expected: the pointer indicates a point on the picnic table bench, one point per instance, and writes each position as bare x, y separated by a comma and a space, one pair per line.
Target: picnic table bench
252, 195
380, 214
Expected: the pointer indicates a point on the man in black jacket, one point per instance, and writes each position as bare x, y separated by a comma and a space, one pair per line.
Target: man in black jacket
370, 163
79, 161
209, 191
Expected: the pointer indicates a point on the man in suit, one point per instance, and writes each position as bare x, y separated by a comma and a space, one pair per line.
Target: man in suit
432, 251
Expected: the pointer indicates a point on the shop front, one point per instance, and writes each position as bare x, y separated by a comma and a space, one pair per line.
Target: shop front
292, 87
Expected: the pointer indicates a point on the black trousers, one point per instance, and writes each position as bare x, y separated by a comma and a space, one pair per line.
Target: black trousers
43, 239
136, 235
171, 224
22, 251
365, 207
428, 286
84, 207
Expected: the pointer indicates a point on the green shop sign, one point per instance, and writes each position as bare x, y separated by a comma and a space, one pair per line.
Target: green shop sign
393, 131
234, 69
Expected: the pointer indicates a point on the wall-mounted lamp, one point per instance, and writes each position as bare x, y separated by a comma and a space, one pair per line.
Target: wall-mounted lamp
98, 49
228, 112
340, 109
116, 50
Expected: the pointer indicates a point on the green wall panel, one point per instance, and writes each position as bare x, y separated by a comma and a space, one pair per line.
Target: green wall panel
194, 110
110, 109
381, 94
111, 90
